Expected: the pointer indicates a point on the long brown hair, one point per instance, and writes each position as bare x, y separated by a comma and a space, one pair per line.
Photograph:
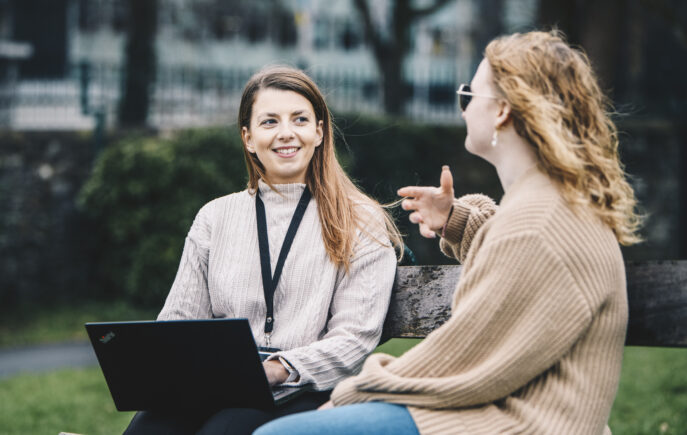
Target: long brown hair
558, 106
338, 199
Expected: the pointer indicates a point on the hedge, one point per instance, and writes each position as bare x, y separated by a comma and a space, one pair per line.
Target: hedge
145, 191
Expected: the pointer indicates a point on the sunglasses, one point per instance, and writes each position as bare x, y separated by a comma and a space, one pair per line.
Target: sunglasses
466, 95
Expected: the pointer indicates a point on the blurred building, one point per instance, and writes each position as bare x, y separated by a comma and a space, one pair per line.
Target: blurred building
207, 49
12, 53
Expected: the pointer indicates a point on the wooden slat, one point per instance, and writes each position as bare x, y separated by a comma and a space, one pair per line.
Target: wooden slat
421, 300
657, 293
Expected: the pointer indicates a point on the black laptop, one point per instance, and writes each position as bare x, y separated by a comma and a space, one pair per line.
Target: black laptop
184, 364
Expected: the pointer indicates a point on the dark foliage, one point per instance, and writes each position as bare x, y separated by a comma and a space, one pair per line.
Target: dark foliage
143, 196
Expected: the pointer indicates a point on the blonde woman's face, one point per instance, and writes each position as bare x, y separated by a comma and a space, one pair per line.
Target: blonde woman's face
480, 115
283, 134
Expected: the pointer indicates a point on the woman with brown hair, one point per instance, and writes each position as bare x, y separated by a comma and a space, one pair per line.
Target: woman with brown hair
535, 340
324, 248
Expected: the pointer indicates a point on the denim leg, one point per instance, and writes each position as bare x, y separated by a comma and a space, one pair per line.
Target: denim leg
376, 418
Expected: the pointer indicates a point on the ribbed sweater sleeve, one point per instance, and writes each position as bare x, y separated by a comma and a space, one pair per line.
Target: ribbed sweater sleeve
189, 297
468, 215
520, 311
356, 316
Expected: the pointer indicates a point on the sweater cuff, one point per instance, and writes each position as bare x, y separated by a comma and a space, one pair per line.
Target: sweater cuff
293, 373
292, 366
352, 390
453, 231
347, 393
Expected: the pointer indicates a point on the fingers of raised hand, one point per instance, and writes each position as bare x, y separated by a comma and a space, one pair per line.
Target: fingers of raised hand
409, 204
411, 191
415, 218
446, 180
406, 191
426, 232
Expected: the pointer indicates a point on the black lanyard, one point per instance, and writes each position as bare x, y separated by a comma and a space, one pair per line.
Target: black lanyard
269, 283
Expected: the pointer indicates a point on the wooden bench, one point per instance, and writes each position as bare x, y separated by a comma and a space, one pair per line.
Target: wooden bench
657, 295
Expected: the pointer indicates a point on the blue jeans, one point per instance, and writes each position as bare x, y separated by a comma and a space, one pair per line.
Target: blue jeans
376, 418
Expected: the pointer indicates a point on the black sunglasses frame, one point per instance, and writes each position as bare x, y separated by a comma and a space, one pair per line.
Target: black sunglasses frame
464, 99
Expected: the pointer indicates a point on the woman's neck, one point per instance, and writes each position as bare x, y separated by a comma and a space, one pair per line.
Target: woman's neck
514, 158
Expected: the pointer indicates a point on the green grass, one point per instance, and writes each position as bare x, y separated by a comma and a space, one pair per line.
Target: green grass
74, 400
66, 400
652, 398
397, 346
62, 322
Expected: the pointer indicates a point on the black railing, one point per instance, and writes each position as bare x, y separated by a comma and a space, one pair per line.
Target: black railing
187, 96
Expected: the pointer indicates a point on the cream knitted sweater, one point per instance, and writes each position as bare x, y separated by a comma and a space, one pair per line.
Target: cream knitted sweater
326, 321
535, 340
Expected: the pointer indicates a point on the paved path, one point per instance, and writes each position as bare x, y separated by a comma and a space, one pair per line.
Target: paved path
46, 357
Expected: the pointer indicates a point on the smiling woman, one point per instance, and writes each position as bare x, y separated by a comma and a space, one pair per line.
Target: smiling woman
283, 135
287, 103
302, 253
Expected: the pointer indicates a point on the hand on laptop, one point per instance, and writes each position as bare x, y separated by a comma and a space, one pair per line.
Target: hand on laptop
275, 371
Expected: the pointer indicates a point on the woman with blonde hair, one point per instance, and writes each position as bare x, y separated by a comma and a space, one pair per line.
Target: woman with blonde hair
303, 254
535, 340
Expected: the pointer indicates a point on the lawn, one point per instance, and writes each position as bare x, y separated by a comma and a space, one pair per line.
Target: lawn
51, 324
652, 398
65, 400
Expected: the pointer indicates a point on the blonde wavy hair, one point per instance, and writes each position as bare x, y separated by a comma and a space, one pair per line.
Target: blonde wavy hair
558, 106
343, 208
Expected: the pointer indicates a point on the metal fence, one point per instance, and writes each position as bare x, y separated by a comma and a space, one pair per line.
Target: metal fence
185, 96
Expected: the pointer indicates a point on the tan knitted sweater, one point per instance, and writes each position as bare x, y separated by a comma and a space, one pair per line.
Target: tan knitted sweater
535, 341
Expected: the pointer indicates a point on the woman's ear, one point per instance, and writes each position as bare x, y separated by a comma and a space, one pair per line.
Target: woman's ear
503, 116
245, 136
320, 133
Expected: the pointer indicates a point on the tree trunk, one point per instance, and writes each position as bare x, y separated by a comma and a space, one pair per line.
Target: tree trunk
563, 14
140, 61
391, 59
595, 25
393, 85
390, 50
602, 39
490, 19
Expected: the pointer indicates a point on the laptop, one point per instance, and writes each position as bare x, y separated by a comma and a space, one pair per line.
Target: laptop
207, 364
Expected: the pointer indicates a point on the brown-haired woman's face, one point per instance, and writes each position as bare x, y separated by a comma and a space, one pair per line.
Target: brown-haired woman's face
283, 133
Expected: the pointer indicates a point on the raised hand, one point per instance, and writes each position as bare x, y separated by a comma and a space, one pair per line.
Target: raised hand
431, 205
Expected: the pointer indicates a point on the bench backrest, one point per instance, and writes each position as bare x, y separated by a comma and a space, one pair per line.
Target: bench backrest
657, 295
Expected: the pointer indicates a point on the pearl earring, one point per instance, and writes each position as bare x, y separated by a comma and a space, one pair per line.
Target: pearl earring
495, 138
